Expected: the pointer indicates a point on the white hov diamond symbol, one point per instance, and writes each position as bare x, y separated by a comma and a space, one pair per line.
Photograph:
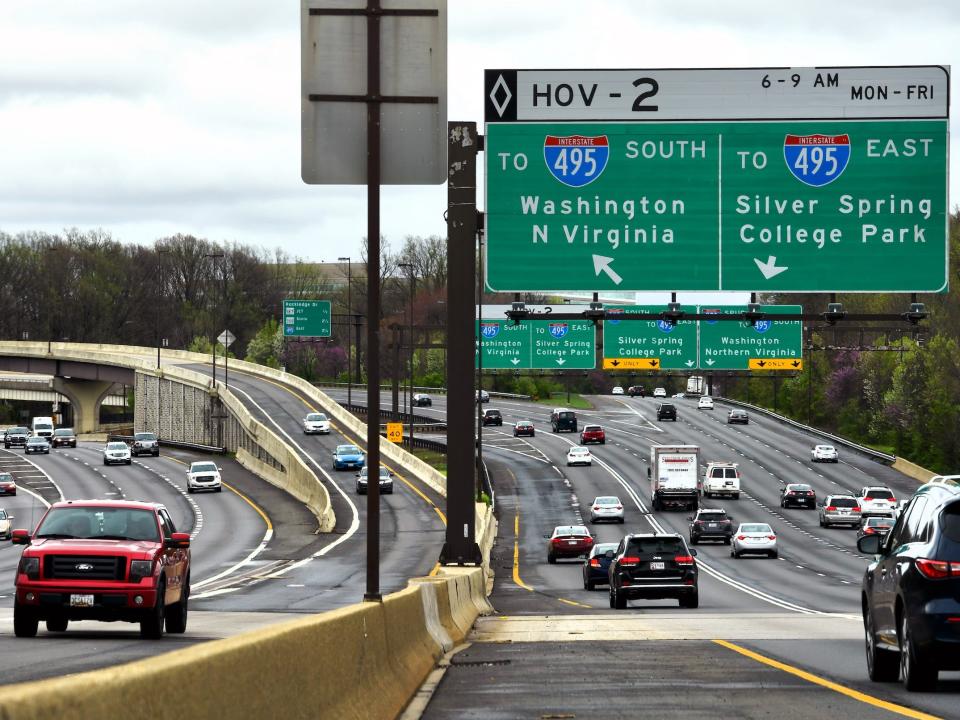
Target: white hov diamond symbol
500, 86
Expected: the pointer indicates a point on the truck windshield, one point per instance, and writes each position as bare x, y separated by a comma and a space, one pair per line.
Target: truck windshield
105, 523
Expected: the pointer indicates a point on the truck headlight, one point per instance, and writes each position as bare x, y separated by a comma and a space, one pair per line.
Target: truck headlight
140, 569
30, 566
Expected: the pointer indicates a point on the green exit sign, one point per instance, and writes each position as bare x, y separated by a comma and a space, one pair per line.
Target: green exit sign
535, 344
728, 345
306, 318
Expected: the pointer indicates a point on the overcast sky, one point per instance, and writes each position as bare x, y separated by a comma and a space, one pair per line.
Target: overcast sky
147, 119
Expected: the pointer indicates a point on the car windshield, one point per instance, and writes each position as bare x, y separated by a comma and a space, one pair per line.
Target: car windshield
36, 440
203, 467
579, 451
348, 450
712, 516
879, 522
144, 436
566, 416
571, 530
116, 446
3, 514
755, 528
103, 523
825, 448
799, 488
384, 473
43, 426
63, 432
19, 430
844, 502
592, 428
879, 494
607, 501
6, 477
655, 545
316, 417
524, 423
602, 549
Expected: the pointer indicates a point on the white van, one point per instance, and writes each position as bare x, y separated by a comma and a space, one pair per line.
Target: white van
722, 479
42, 427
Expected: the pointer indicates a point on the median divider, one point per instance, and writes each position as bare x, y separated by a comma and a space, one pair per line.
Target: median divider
921, 474
362, 661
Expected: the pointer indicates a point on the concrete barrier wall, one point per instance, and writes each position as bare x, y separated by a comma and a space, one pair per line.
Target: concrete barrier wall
363, 661
921, 474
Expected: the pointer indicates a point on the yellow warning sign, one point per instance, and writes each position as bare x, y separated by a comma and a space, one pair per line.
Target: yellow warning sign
775, 364
395, 432
631, 363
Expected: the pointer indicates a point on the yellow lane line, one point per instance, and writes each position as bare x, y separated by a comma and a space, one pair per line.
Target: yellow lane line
843, 690
305, 401
575, 604
516, 553
232, 489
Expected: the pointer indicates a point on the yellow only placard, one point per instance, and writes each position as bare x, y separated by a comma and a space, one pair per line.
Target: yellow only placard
395, 432
631, 363
775, 364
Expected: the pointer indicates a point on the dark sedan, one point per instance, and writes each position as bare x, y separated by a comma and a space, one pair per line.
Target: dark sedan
875, 525
738, 416
422, 400
524, 427
37, 444
798, 495
64, 437
597, 564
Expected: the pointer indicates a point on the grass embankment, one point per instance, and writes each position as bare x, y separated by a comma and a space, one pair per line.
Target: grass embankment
576, 402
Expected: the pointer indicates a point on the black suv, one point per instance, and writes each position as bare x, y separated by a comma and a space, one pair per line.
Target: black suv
635, 390
710, 524
667, 411
16, 436
492, 417
653, 565
911, 591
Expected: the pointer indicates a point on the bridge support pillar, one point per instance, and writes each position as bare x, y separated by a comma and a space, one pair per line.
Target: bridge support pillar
85, 396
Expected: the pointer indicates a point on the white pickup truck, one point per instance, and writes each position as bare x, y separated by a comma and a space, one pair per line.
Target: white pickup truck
722, 479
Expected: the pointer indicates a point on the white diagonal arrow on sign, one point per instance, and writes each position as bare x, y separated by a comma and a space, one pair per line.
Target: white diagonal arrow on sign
769, 268
601, 263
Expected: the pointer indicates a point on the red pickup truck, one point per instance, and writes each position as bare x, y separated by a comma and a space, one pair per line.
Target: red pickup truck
103, 560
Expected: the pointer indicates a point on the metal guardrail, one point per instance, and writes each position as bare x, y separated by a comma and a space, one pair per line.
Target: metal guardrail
883, 457
213, 449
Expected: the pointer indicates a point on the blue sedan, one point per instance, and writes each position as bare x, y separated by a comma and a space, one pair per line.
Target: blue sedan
596, 564
348, 457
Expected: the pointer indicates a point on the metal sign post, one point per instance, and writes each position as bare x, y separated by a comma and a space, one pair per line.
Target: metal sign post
460, 546
335, 147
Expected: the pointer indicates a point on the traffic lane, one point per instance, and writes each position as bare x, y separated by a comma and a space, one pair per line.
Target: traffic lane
843, 661
548, 496
825, 552
28, 476
790, 578
24, 511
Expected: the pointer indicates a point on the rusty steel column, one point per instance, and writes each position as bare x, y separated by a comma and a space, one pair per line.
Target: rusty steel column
460, 545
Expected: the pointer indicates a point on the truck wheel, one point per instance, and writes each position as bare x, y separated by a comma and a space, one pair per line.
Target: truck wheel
25, 623
917, 674
736, 496
57, 625
619, 601
589, 585
690, 601
177, 617
882, 665
151, 626
551, 559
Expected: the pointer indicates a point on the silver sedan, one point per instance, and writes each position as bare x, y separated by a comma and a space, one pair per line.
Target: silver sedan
755, 538
607, 507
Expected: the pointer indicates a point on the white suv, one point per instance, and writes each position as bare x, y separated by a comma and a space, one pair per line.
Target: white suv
824, 453
877, 500
203, 475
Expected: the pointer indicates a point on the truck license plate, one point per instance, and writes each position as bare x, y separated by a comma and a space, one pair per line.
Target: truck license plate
82, 601
656, 566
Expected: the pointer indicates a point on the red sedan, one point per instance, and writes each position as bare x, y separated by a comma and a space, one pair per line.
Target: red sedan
568, 541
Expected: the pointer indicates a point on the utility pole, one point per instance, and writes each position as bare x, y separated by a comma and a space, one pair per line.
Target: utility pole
349, 263
409, 267
214, 256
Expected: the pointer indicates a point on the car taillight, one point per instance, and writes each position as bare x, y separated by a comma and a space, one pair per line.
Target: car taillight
937, 569
629, 561
831, 508
684, 560
771, 537
868, 531
596, 507
594, 563
741, 537
618, 507
855, 508
893, 499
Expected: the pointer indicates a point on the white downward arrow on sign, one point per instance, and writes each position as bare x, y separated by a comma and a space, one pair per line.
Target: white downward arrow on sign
689, 363
515, 360
710, 362
769, 268
601, 263
560, 361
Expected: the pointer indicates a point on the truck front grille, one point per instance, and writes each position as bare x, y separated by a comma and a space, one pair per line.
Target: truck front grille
84, 567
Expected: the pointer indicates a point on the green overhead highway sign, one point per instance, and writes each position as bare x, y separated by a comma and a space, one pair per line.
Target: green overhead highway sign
306, 318
726, 345
535, 344
634, 345
801, 180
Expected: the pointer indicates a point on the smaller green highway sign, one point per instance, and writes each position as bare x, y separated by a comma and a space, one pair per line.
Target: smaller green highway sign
633, 345
306, 318
535, 344
733, 345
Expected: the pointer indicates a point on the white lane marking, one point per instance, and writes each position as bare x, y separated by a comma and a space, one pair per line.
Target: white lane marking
716, 574
354, 525
638, 413
45, 474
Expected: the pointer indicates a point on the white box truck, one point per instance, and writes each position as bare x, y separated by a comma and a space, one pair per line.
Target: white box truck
696, 386
42, 427
674, 475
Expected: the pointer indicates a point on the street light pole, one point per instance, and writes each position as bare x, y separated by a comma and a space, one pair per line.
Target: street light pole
409, 266
349, 311
214, 256
160, 254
